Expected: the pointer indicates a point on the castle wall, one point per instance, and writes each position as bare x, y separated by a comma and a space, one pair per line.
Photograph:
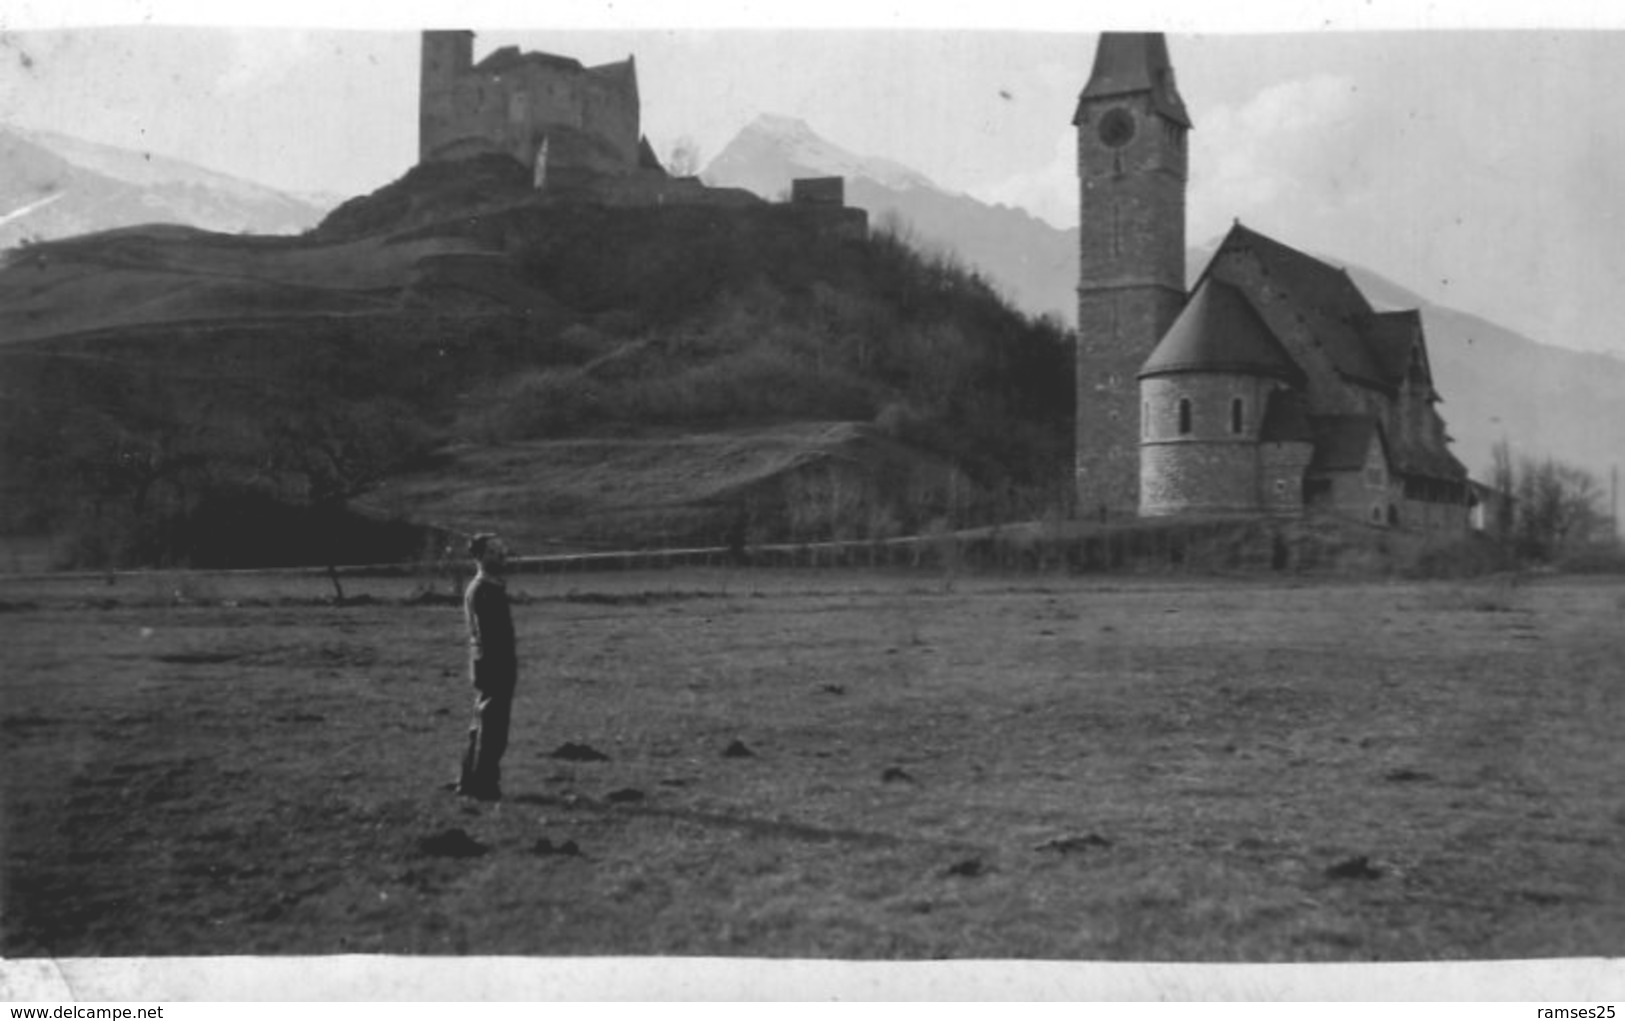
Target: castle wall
608, 112
655, 189
818, 191
465, 112
537, 96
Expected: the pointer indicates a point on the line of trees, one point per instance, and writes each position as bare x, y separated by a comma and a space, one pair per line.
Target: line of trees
1552, 509
129, 464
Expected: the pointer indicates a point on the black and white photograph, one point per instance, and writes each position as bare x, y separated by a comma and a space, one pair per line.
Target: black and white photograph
586, 500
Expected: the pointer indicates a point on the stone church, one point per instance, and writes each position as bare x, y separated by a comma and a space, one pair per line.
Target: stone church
1272, 386
550, 113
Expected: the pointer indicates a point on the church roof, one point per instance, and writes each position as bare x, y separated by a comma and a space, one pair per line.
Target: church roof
1300, 276
1391, 336
1131, 62
1342, 441
1286, 419
646, 155
1219, 331
1396, 343
1426, 460
1319, 294
1363, 344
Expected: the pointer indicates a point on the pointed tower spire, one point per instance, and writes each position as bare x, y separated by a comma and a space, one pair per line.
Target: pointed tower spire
1135, 62
1132, 166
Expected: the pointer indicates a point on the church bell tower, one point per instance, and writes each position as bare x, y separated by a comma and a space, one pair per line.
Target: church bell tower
1132, 170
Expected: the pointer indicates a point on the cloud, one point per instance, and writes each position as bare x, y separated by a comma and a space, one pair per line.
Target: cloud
1287, 142
1291, 139
1049, 192
260, 58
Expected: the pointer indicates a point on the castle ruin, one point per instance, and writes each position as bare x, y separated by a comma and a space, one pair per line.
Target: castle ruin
552, 114
576, 129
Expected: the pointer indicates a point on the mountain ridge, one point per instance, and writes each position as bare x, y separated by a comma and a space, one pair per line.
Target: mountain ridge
1023, 257
54, 185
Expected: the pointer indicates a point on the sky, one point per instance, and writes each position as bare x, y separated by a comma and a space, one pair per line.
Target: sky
1474, 155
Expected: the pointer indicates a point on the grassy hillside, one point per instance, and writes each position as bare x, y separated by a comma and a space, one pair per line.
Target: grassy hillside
166, 383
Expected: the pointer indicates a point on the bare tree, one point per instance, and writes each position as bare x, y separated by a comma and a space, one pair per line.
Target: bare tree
1504, 480
684, 159
1559, 506
337, 452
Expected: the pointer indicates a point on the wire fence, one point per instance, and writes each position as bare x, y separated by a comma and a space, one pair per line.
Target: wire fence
1070, 547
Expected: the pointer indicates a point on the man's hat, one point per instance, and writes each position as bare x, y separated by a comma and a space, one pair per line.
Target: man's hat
477, 544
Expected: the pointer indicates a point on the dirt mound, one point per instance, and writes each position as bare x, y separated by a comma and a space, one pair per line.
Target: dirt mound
1359, 867
570, 751
1072, 845
970, 868
544, 846
451, 843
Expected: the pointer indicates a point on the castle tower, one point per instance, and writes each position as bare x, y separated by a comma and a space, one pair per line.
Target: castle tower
1132, 168
447, 56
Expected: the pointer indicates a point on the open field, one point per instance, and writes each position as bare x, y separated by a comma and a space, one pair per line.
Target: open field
1021, 766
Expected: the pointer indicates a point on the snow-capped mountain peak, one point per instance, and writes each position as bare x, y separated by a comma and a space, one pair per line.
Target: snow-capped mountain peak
776, 149
54, 185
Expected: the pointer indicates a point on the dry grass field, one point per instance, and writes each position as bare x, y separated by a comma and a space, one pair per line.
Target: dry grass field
922, 767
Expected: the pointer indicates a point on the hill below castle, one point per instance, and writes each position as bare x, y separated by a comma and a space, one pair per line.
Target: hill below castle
459, 352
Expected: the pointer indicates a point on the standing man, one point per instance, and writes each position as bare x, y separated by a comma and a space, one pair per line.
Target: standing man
494, 664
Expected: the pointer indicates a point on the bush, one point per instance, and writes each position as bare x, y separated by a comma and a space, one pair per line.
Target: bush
1597, 558
1470, 556
536, 405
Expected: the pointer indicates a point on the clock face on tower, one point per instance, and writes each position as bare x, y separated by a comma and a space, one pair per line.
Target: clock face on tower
1116, 128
